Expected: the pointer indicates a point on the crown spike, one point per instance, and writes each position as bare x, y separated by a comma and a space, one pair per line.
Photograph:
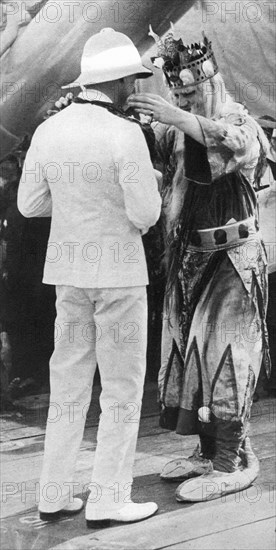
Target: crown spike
161, 49
153, 35
184, 65
205, 39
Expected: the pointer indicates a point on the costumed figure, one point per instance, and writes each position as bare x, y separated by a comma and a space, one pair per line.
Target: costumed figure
214, 332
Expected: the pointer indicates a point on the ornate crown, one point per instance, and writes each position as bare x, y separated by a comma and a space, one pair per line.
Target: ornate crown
184, 65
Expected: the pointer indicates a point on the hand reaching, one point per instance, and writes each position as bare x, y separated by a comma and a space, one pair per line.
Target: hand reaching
64, 101
153, 106
60, 104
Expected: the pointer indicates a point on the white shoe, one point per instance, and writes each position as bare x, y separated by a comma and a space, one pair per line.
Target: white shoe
127, 514
70, 509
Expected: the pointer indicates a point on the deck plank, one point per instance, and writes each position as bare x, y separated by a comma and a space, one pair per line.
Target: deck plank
246, 537
180, 526
215, 522
22, 477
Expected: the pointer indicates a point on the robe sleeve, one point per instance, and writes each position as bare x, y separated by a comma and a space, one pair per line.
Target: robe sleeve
232, 144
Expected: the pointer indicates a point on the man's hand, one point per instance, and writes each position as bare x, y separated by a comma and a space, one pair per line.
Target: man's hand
64, 101
61, 104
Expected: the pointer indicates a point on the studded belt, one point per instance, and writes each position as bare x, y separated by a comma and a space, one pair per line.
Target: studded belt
225, 236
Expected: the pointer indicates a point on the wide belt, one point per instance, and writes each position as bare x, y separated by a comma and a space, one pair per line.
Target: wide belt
226, 236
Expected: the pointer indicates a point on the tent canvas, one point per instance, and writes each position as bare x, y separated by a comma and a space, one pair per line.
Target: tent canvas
46, 53
47, 50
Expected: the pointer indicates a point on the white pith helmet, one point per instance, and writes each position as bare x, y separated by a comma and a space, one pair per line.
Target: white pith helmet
109, 55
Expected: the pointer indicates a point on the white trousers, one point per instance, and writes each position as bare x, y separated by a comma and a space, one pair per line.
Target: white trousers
108, 327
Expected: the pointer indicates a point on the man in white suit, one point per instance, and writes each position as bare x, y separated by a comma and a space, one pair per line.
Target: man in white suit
89, 168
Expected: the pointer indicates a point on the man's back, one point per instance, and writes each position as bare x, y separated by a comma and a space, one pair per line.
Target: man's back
97, 169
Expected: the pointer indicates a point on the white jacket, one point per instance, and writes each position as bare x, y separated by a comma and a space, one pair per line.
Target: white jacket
91, 171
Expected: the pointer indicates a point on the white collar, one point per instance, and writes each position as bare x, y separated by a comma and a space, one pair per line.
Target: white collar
94, 95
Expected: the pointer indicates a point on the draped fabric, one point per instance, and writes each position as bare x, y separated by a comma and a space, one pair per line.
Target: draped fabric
47, 51
214, 332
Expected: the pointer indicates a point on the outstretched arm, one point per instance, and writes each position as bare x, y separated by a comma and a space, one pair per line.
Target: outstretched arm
163, 111
231, 141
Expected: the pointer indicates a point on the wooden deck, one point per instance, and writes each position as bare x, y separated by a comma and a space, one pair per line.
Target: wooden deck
241, 521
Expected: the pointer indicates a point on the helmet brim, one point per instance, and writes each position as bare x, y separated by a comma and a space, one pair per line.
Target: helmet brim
89, 79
